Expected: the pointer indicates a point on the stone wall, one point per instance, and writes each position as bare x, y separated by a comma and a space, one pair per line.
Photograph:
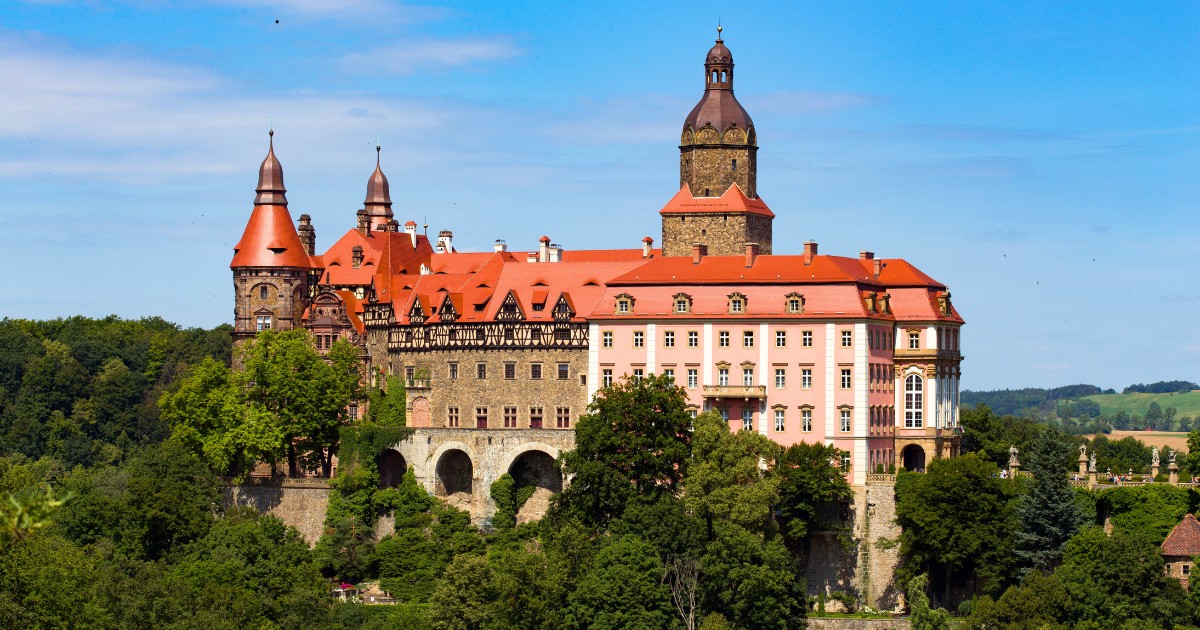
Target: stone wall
865, 568
831, 623
708, 171
300, 503
725, 234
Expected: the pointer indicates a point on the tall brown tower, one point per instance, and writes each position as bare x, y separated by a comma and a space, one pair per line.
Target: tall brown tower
272, 271
717, 152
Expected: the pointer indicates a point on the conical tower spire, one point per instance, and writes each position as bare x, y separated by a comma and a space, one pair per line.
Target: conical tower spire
270, 179
378, 204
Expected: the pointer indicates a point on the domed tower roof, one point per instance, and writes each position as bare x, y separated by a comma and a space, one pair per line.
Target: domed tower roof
378, 204
718, 107
270, 179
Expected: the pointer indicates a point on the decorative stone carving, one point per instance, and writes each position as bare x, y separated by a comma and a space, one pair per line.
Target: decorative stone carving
1012, 457
1154, 456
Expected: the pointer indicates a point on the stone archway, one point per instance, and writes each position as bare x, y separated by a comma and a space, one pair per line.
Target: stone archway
913, 457
392, 467
536, 468
420, 412
454, 475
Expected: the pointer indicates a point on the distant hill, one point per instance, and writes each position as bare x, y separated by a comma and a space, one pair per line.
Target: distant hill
1015, 402
1187, 404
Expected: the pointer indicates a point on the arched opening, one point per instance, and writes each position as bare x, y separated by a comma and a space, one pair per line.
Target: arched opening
420, 412
913, 458
392, 467
535, 469
454, 474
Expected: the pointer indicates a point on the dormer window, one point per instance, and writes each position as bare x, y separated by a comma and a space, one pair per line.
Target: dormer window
624, 304
683, 304
795, 303
737, 304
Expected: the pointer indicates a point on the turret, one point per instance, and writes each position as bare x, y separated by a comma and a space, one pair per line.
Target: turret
378, 204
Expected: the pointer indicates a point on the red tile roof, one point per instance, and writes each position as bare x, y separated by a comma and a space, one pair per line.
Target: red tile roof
270, 240
733, 200
1184, 540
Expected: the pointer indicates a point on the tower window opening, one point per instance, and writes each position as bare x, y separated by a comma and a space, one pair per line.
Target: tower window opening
262, 292
734, 164
723, 75
713, 79
706, 193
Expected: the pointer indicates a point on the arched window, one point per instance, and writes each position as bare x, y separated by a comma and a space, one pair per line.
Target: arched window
914, 404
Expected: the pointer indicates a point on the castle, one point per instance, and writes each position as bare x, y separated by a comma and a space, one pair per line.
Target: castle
502, 350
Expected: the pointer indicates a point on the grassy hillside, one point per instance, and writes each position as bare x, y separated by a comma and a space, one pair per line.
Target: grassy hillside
1188, 404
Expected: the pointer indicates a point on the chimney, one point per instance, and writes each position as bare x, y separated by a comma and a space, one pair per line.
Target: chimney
500, 245
308, 234
866, 255
446, 239
878, 266
751, 254
810, 250
356, 256
393, 225
555, 252
532, 257
410, 227
647, 246
544, 249
699, 251
364, 222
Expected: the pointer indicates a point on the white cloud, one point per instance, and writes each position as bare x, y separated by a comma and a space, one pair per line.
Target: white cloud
411, 56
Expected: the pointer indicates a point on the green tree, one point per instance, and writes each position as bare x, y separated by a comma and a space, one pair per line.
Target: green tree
921, 616
386, 406
809, 481
623, 590
990, 436
634, 440
752, 581
727, 478
464, 596
1048, 512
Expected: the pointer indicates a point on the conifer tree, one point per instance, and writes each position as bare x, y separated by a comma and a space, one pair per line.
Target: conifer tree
1048, 512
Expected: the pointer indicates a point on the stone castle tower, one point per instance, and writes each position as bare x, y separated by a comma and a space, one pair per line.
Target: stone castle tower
718, 167
272, 271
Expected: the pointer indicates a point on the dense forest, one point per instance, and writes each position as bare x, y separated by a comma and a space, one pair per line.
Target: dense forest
1078, 410
118, 437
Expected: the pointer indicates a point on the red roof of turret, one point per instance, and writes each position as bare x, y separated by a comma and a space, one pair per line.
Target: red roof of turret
1184, 540
270, 240
733, 200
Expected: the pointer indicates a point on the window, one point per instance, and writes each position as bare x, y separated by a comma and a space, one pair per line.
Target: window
262, 292
639, 339
535, 417
480, 370
564, 371
535, 371
846, 382
779, 423
845, 418
737, 304
510, 371
669, 373
806, 420
562, 417
510, 417
682, 304
847, 339
693, 377
353, 412
733, 165
264, 322
914, 390
638, 373
780, 338
914, 340
722, 376
409, 373
845, 465
794, 305
453, 371
452, 417
481, 417
780, 378
606, 339
606, 377
725, 414
693, 339
806, 378
723, 339
747, 419
806, 339
747, 338
748, 376
623, 305
669, 339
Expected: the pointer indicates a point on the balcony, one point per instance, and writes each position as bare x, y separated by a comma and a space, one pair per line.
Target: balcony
744, 392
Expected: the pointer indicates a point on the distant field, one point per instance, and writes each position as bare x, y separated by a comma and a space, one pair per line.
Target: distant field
1187, 404
1177, 441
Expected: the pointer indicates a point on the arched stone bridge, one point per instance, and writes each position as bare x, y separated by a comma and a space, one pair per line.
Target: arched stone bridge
460, 465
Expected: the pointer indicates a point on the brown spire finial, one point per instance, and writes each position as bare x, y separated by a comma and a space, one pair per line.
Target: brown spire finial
719, 30
270, 178
379, 197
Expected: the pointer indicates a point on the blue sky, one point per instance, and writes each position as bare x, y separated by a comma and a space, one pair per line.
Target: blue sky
1042, 159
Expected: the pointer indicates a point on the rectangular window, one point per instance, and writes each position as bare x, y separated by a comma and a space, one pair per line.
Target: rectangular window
481, 417
453, 371
510, 417
264, 322
693, 339
480, 370
847, 338
846, 382
606, 377
914, 340
535, 417
510, 370
452, 417
669, 339
780, 338
806, 378
779, 423
669, 373
806, 338
722, 376
409, 372
747, 419
845, 418
535, 371
747, 338
562, 417
747, 376
639, 339
693, 377
564, 371
606, 339
725, 414
780, 378
638, 373
806, 420
723, 339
